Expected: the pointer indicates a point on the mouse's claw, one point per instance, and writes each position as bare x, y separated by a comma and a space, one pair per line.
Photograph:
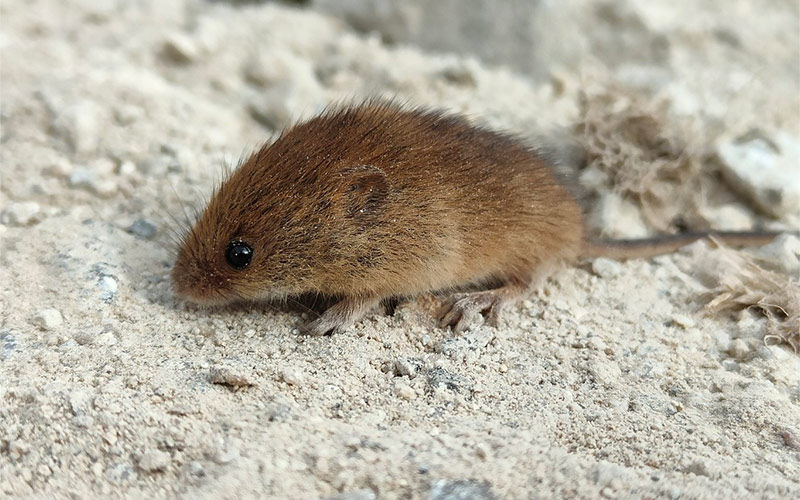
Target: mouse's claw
319, 327
462, 309
339, 316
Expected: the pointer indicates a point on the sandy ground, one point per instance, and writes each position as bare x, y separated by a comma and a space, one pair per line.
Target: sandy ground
610, 382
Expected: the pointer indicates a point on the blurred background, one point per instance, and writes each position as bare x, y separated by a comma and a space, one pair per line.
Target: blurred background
683, 110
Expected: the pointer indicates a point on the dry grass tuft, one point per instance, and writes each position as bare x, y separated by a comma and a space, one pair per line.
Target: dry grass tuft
741, 283
643, 153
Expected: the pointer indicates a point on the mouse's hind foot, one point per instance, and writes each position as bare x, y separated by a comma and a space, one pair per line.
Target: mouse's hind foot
339, 316
461, 310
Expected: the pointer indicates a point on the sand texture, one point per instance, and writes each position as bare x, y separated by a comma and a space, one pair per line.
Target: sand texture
637, 379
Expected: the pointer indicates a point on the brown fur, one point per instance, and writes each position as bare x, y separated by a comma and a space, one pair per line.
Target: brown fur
374, 201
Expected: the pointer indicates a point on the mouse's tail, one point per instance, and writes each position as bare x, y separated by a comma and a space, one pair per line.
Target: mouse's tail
658, 245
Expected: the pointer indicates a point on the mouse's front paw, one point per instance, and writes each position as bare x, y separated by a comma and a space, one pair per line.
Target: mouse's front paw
339, 316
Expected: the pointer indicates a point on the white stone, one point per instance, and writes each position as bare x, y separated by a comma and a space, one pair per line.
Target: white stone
154, 461
405, 391
181, 48
738, 349
730, 217
783, 254
108, 287
765, 168
48, 319
79, 124
618, 218
606, 268
292, 93
293, 377
22, 213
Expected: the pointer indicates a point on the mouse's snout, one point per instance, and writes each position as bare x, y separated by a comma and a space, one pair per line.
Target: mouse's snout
198, 283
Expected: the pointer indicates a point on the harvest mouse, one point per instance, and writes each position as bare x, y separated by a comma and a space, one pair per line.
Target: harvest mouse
375, 201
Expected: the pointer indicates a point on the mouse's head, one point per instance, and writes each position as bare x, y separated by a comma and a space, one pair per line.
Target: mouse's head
274, 229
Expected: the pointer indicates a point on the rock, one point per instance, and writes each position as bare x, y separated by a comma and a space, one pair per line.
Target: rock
461, 490
22, 213
730, 217
500, 32
405, 391
48, 319
142, 228
108, 288
154, 461
408, 367
738, 349
225, 375
79, 124
703, 467
683, 320
196, 469
618, 218
269, 67
80, 402
606, 268
81, 178
293, 92
439, 377
8, 343
226, 456
293, 377
95, 179
765, 169
17, 448
783, 254
180, 48
278, 412
120, 473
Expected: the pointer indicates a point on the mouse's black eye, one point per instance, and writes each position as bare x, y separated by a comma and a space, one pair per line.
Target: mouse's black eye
238, 254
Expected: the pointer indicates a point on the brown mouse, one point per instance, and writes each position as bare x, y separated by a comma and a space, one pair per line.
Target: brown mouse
375, 201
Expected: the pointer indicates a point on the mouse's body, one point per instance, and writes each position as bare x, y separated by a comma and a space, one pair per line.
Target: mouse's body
375, 201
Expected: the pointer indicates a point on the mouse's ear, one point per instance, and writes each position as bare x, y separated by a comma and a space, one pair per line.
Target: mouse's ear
367, 191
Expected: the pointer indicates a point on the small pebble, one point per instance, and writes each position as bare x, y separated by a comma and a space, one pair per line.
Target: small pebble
154, 461
293, 377
738, 349
104, 188
108, 288
179, 48
48, 319
702, 467
17, 448
483, 451
81, 178
142, 228
407, 367
439, 377
80, 402
763, 166
224, 375
683, 320
782, 254
79, 124
606, 268
405, 391
23, 213
224, 457
196, 469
